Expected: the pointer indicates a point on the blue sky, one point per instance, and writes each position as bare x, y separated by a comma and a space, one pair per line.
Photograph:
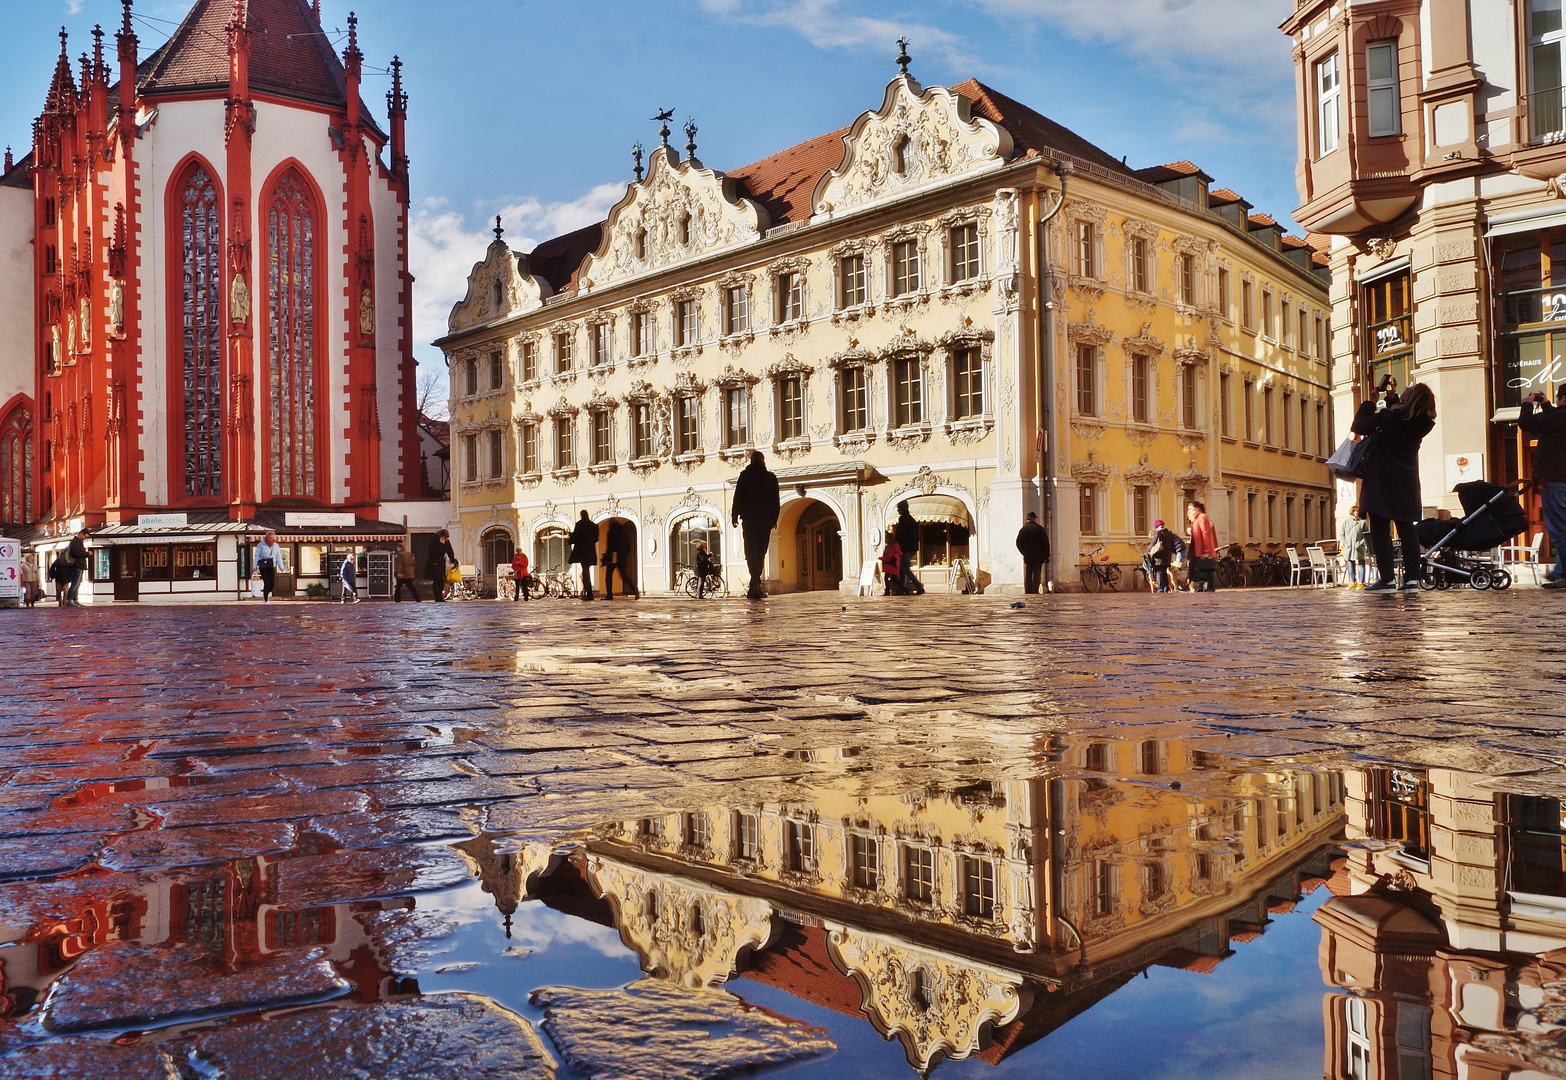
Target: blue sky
529, 108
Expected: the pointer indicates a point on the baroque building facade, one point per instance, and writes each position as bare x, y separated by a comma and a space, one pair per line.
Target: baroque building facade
211, 242
865, 309
1431, 150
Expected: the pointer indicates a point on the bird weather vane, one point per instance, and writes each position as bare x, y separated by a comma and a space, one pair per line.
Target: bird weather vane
663, 118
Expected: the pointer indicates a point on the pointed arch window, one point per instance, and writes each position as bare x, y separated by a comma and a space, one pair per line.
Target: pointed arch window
291, 339
201, 332
16, 466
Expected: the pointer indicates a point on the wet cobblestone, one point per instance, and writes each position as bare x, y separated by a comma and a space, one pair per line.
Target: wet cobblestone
149, 754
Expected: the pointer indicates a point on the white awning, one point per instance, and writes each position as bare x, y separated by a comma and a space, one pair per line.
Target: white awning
937, 510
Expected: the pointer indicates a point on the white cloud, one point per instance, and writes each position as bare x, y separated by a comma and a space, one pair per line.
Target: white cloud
1227, 34
74, 7
826, 25
442, 247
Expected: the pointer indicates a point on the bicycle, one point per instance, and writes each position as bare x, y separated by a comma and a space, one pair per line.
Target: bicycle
1231, 568
1100, 572
707, 587
555, 585
1272, 568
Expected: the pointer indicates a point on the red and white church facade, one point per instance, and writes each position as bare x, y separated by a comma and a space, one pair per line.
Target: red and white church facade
221, 306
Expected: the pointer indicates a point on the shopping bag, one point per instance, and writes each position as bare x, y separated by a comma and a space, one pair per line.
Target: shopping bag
453, 575
255, 588
1348, 461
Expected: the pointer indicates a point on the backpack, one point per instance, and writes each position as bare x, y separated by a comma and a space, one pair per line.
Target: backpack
58, 568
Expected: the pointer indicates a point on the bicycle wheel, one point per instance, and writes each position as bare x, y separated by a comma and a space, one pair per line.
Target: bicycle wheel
1112, 575
716, 587
1090, 579
1228, 577
1138, 579
693, 587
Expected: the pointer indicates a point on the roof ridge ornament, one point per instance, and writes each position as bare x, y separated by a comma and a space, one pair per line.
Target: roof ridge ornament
663, 118
499, 232
636, 156
903, 59
690, 139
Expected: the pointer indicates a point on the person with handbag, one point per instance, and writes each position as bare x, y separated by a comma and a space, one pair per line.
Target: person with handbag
1203, 549
1351, 545
1390, 494
442, 560
267, 557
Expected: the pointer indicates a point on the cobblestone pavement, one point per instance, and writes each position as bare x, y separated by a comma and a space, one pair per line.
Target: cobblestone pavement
228, 826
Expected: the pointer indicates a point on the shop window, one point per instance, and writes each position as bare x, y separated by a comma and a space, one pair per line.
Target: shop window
194, 562
1389, 334
865, 859
967, 384
791, 407
549, 550
1531, 313
694, 530
963, 241
978, 887
918, 874
1403, 809
1536, 828
496, 549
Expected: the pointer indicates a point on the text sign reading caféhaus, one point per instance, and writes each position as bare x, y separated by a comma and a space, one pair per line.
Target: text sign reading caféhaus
319, 521
161, 521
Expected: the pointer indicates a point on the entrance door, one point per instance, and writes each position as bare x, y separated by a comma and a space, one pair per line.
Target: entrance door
618, 535
820, 548
125, 571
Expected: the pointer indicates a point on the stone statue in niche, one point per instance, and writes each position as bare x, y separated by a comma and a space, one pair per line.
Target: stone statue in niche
58, 357
86, 322
70, 333
366, 313
117, 305
239, 301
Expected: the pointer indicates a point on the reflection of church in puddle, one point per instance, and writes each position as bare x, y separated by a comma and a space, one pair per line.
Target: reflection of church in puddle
950, 920
1451, 952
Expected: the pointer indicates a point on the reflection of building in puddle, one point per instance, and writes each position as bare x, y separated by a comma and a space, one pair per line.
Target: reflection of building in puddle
236, 914
1450, 940
971, 921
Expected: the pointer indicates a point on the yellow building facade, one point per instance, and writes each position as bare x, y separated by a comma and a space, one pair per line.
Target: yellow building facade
865, 309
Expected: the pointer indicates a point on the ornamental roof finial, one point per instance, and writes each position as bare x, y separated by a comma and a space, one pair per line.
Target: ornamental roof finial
903, 59
499, 232
690, 137
663, 118
636, 156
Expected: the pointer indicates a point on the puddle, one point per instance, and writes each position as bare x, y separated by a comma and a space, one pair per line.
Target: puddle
1115, 909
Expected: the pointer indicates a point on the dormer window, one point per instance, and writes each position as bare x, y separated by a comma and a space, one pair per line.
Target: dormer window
900, 156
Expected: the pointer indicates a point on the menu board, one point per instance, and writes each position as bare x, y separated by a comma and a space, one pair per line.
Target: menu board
380, 571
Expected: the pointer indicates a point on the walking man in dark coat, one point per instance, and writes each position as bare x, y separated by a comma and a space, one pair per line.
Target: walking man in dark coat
78, 558
906, 532
440, 557
584, 551
1033, 543
756, 502
1548, 425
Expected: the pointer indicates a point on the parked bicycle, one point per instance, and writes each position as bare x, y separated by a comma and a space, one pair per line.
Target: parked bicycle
1272, 568
555, 584
706, 588
1098, 571
1231, 567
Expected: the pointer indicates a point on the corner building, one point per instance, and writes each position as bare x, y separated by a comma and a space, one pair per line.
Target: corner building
865, 309
1432, 145
212, 247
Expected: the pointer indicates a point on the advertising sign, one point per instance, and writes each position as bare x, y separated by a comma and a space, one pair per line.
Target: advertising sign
319, 521
1461, 468
161, 521
10, 572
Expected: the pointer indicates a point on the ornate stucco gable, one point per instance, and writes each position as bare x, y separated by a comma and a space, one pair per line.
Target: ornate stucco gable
918, 138
498, 287
680, 211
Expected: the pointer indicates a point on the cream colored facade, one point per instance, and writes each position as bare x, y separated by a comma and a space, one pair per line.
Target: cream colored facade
884, 342
968, 920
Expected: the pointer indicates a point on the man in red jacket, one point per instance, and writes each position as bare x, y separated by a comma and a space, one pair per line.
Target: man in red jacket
1548, 425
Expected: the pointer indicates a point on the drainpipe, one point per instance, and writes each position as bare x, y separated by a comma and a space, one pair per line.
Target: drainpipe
1047, 365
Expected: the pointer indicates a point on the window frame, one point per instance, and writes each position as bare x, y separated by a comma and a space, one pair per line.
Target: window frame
1139, 261
1327, 88
641, 333
496, 367
495, 453
861, 392
1087, 369
736, 310
564, 349
565, 442
906, 277
790, 296
687, 423
736, 417
602, 345
853, 281
1084, 255
791, 408
1225, 407
1186, 268
685, 322
1190, 414
527, 450
642, 437
1386, 86
918, 874
602, 425
1142, 391
964, 254
1088, 509
910, 411
968, 386
529, 361
978, 887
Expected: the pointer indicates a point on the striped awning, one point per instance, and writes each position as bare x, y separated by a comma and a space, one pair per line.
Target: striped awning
936, 510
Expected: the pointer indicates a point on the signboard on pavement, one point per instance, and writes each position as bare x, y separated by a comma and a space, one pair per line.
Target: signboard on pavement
10, 572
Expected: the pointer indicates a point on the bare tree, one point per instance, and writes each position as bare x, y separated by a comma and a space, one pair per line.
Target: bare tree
432, 395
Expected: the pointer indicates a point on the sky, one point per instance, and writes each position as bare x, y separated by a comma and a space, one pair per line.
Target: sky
529, 109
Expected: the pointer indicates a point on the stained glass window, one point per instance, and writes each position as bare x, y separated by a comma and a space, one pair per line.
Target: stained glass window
201, 299
16, 467
291, 338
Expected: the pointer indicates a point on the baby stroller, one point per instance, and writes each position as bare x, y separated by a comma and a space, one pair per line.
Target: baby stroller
1491, 516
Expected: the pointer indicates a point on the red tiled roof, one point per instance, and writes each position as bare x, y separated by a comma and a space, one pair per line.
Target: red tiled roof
1321, 243
784, 182
21, 174
1222, 196
1032, 130
290, 57
797, 963
1262, 220
1290, 241
1174, 170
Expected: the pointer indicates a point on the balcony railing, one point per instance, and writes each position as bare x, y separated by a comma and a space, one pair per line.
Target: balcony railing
1547, 116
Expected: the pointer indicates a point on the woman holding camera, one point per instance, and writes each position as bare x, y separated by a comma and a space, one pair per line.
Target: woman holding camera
1391, 483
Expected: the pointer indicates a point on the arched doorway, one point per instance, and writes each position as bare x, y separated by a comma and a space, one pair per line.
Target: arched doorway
819, 548
623, 531
683, 538
495, 550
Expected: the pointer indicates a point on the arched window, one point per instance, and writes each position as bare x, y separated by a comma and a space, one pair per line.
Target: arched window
291, 338
200, 390
16, 465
